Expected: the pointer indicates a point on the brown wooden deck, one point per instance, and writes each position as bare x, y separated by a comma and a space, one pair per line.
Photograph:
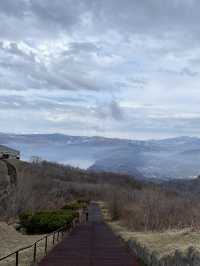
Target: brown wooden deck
91, 244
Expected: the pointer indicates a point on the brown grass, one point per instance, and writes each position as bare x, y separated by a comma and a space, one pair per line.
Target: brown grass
11, 240
163, 243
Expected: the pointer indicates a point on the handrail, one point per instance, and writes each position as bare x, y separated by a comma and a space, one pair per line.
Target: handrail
62, 230
30, 246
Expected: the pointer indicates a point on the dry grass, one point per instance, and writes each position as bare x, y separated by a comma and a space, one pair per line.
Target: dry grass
162, 243
11, 240
165, 243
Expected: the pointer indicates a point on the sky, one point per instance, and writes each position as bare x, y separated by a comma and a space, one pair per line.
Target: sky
124, 69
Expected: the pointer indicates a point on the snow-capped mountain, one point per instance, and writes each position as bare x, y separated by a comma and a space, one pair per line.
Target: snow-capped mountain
163, 159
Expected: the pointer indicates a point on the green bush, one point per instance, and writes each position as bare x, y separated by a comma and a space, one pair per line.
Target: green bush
46, 221
25, 217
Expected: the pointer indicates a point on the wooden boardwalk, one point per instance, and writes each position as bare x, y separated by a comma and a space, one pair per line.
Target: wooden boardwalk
92, 244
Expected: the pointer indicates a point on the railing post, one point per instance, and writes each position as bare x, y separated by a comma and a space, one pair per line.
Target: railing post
35, 252
46, 240
53, 238
67, 228
17, 258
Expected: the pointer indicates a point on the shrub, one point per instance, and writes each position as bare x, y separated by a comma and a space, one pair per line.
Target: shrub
25, 217
46, 221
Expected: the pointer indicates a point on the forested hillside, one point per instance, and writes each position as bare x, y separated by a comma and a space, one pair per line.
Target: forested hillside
140, 205
53, 184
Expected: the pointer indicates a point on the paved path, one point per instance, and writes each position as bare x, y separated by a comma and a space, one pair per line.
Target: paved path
92, 244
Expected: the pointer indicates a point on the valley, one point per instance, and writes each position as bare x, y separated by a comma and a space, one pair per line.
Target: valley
165, 159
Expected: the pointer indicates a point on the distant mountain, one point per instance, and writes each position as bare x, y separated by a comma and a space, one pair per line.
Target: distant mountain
161, 159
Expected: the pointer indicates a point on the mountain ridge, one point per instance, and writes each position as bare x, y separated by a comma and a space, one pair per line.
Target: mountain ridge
162, 159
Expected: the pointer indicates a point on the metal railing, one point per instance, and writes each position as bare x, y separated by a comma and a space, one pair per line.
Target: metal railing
56, 236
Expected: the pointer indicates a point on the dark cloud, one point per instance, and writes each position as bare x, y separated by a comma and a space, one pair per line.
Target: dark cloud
65, 13
15, 8
116, 111
128, 17
188, 72
160, 17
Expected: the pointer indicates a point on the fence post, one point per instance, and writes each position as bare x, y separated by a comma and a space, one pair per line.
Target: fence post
35, 252
46, 239
17, 258
53, 238
68, 228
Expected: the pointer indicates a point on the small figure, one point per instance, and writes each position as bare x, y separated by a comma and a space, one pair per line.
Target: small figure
86, 215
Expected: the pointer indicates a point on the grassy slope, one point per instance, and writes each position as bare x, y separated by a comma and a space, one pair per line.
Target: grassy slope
163, 243
12, 240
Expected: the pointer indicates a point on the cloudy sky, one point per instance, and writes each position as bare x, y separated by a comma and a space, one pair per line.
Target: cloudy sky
128, 69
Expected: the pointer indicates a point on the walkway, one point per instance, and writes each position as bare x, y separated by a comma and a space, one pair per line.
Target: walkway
92, 244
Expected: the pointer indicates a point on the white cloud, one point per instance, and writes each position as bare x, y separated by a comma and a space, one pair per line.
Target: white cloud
114, 68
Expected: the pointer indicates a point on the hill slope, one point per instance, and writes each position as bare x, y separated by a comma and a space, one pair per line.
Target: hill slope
53, 184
